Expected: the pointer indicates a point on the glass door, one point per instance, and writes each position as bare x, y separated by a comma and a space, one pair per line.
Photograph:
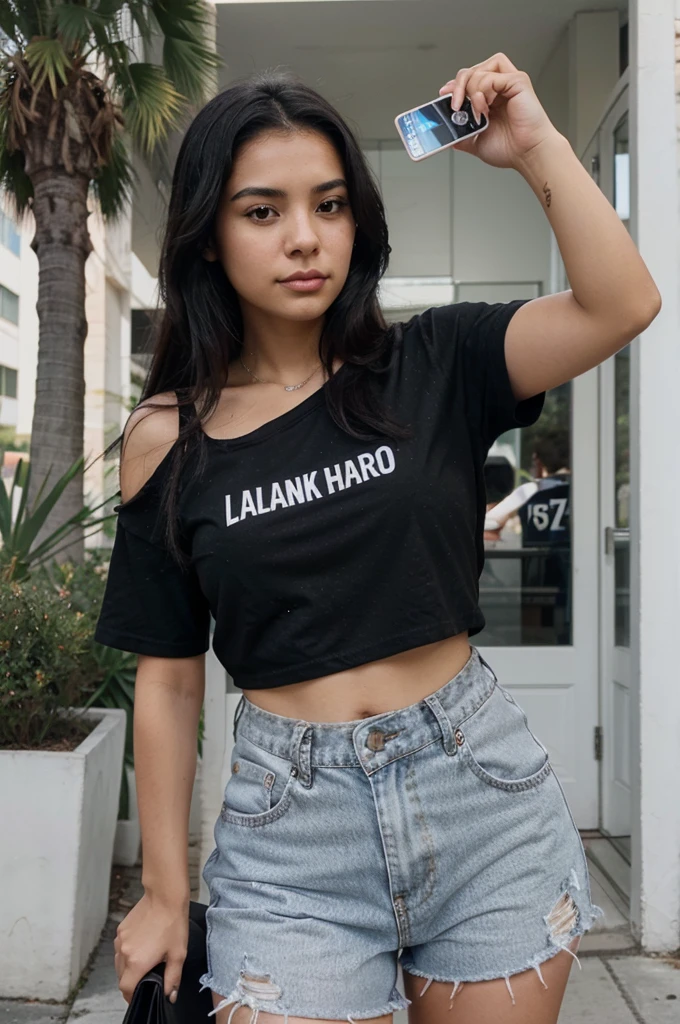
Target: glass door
616, 662
539, 585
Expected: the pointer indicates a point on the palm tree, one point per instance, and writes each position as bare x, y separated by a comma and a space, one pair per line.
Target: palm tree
80, 98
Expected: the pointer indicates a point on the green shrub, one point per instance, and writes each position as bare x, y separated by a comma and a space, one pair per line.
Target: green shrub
44, 644
50, 661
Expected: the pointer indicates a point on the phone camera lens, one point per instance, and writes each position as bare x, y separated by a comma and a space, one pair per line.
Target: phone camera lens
459, 117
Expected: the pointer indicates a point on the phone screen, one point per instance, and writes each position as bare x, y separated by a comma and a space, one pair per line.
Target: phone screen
431, 127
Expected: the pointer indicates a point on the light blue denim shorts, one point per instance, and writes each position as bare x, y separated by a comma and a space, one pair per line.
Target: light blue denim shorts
436, 836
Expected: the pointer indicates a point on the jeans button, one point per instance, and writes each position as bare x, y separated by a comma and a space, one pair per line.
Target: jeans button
375, 740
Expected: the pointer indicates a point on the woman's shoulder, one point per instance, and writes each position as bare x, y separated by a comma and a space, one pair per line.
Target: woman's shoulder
151, 431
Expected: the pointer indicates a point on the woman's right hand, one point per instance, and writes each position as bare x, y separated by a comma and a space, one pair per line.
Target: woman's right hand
153, 931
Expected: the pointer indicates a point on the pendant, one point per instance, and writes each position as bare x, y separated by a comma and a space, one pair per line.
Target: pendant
292, 387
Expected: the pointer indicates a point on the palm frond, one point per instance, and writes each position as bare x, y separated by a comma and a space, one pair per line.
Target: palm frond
14, 181
138, 15
150, 103
151, 60
114, 183
189, 66
75, 23
20, 22
188, 60
47, 59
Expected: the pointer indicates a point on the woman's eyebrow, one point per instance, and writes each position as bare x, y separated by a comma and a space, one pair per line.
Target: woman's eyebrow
278, 193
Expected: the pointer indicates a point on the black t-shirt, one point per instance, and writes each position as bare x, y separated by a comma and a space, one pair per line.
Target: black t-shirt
314, 551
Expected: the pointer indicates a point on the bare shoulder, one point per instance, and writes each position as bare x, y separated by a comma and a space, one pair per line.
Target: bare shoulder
150, 432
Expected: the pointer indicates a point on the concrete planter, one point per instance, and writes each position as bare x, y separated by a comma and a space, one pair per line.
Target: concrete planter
58, 813
126, 848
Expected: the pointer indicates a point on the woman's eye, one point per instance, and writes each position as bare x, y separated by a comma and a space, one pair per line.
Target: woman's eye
258, 209
339, 203
252, 214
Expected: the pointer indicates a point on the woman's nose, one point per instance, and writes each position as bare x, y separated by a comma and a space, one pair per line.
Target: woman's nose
303, 235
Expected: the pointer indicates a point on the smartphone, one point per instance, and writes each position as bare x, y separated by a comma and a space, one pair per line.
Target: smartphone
434, 126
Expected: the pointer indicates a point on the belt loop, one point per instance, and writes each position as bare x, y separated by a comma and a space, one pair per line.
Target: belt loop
237, 714
484, 662
437, 709
301, 752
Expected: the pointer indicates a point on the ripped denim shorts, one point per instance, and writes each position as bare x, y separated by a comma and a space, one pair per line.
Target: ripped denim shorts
436, 836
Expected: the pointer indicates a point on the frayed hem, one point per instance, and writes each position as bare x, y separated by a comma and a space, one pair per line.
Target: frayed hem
240, 996
534, 964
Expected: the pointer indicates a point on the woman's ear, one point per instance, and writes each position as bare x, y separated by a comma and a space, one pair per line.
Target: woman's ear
209, 253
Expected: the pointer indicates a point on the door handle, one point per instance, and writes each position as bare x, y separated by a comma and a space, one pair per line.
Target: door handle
614, 535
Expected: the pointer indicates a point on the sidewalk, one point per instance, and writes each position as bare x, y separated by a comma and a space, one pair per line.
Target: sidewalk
612, 987
608, 990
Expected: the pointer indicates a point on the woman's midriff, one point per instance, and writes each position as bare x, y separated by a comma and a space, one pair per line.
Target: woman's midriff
371, 689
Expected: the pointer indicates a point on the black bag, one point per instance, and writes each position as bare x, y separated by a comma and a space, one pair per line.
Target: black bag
149, 1005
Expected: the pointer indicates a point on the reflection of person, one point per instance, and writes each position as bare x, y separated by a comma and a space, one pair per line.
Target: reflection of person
499, 478
319, 490
543, 506
550, 472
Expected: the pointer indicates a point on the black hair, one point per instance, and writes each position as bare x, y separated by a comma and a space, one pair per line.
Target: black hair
200, 329
553, 449
499, 477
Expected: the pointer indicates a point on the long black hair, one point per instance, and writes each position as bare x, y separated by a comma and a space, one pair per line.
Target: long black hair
199, 330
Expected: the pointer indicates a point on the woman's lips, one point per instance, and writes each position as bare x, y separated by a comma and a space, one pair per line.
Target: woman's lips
312, 284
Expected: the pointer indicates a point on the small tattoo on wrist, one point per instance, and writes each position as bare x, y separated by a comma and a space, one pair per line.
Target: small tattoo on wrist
547, 193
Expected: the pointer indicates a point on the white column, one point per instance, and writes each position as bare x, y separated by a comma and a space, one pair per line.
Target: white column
593, 70
655, 427
218, 718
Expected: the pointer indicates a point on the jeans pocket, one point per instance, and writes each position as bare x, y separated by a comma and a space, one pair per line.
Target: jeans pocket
498, 746
259, 788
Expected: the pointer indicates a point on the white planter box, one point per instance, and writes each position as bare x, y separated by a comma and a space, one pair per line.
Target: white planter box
126, 848
58, 813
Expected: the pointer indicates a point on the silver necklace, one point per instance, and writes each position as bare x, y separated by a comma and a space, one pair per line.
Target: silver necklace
286, 387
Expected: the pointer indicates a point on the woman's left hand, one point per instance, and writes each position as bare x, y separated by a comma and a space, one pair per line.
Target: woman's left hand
517, 121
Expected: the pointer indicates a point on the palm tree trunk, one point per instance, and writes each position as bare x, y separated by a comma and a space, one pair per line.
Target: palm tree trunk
62, 245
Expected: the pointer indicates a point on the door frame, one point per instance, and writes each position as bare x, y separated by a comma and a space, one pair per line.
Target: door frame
614, 804
572, 668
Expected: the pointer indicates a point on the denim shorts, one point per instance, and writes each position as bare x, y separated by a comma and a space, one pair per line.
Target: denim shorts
436, 836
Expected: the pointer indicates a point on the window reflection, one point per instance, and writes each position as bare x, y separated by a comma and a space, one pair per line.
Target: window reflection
622, 407
622, 171
622, 497
525, 586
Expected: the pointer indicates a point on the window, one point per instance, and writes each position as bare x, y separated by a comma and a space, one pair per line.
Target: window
8, 382
9, 305
525, 586
9, 236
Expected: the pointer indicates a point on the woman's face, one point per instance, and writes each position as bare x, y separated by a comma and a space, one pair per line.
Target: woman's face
262, 238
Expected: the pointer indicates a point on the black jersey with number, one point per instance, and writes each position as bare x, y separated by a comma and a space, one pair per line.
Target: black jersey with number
546, 516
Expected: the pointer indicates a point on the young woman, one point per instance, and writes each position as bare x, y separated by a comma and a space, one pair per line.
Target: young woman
314, 479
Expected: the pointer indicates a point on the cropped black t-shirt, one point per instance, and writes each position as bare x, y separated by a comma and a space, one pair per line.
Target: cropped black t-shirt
314, 551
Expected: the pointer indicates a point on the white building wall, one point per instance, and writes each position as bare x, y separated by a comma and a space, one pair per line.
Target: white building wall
19, 344
593, 68
108, 277
655, 551
552, 84
439, 211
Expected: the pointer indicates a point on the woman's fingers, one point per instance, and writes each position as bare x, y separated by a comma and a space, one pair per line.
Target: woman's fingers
465, 81
483, 87
173, 974
129, 972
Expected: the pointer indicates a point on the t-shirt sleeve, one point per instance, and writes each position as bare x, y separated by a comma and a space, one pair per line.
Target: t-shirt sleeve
151, 605
469, 338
